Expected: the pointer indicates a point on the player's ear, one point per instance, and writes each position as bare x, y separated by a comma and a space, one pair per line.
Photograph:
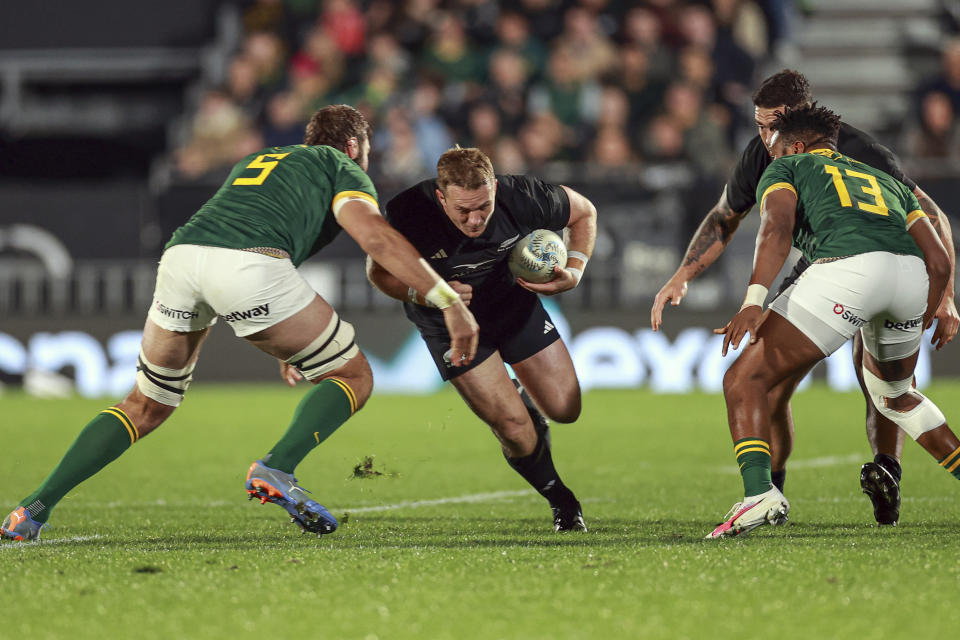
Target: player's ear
440, 196
353, 148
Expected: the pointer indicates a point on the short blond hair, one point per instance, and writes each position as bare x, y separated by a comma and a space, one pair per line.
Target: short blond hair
467, 168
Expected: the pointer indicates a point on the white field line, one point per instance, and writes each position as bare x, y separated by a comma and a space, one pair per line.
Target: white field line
809, 463
413, 504
407, 504
45, 541
491, 496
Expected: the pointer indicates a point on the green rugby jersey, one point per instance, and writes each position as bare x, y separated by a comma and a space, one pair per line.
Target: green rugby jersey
844, 207
280, 197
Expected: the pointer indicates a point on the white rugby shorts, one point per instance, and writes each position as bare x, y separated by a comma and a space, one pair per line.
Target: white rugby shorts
883, 295
249, 291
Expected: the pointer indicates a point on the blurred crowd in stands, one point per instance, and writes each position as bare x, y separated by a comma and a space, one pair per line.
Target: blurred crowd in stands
615, 83
934, 134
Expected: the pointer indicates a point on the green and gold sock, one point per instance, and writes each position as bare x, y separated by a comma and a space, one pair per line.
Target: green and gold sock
952, 463
320, 413
100, 443
753, 456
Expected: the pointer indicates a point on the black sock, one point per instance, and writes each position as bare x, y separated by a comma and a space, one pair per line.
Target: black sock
537, 469
890, 464
540, 422
778, 478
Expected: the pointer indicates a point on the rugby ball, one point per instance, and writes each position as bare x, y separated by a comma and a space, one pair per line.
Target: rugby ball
534, 257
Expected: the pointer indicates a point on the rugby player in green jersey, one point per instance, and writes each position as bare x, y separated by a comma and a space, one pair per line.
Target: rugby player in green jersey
880, 478
236, 259
877, 268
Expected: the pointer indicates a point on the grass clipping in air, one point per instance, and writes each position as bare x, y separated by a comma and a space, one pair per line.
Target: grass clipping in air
364, 470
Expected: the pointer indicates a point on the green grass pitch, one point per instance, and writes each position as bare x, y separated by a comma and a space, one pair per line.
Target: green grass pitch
450, 543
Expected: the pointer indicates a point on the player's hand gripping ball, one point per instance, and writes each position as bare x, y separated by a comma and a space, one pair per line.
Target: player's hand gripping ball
534, 257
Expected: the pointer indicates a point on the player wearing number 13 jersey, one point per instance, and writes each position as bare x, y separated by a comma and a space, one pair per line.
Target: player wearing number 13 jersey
846, 207
235, 259
789, 89
878, 268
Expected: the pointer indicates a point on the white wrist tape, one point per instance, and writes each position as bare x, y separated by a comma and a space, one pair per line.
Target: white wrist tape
412, 297
442, 295
756, 294
577, 273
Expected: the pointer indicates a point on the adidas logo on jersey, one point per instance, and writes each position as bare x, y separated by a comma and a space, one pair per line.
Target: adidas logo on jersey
547, 327
438, 255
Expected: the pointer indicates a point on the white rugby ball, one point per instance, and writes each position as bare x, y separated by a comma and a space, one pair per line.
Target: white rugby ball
534, 257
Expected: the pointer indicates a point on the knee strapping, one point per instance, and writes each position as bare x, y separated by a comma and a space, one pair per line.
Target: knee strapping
164, 385
924, 417
332, 349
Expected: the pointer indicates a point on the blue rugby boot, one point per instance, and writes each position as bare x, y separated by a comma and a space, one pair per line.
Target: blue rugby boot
20, 526
272, 485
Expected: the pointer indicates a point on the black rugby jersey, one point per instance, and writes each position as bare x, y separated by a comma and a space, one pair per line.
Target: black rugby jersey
522, 204
851, 142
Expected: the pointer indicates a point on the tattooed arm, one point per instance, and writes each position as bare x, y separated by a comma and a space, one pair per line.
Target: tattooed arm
948, 321
709, 241
711, 238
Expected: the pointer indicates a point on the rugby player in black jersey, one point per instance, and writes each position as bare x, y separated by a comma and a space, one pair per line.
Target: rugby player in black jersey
879, 479
464, 223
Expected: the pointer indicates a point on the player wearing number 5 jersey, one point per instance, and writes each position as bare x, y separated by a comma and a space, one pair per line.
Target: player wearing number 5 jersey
235, 260
877, 268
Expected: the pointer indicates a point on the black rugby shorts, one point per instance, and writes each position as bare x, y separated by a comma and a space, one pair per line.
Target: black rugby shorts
518, 327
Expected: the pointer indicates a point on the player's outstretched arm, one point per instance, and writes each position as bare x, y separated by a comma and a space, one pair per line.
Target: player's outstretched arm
709, 241
386, 246
948, 320
388, 284
773, 246
938, 264
583, 235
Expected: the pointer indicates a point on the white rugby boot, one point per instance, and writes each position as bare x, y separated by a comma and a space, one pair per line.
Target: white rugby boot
770, 507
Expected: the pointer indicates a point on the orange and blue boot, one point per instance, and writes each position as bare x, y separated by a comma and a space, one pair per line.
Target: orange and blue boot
20, 526
272, 485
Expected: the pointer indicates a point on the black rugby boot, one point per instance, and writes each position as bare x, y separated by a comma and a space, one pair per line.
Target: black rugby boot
884, 490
